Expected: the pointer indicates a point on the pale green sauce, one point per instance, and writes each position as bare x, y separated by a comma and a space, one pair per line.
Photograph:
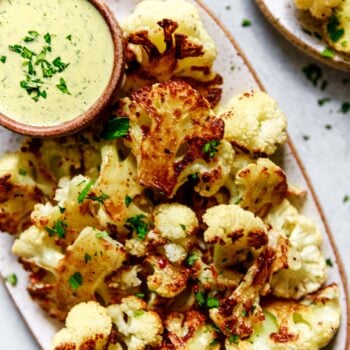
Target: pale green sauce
90, 54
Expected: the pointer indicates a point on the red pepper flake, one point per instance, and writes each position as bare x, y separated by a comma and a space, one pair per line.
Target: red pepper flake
162, 263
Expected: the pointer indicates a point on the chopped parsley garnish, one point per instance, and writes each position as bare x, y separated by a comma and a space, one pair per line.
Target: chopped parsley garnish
83, 194
140, 295
3, 59
210, 148
234, 339
61, 66
59, 229
306, 137
346, 198
328, 53
33, 88
16, 48
195, 176
323, 101
334, 30
87, 257
183, 227
244, 313
328, 126
31, 37
329, 262
192, 259
313, 73
127, 201
102, 235
63, 86
11, 279
69, 37
212, 302
138, 313
62, 210
22, 172
75, 281
100, 199
47, 38
115, 128
200, 298
136, 224
246, 22
345, 107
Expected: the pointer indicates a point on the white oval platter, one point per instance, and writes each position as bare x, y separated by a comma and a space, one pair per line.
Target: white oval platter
238, 77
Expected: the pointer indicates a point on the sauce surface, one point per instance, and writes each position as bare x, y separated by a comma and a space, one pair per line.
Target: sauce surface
73, 31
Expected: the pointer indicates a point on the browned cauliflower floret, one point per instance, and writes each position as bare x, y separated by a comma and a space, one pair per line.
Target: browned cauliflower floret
20, 190
123, 196
170, 42
189, 331
260, 186
167, 280
173, 134
88, 326
234, 231
138, 328
238, 313
72, 213
309, 324
254, 123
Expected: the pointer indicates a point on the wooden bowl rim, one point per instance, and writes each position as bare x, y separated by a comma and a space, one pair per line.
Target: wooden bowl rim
93, 113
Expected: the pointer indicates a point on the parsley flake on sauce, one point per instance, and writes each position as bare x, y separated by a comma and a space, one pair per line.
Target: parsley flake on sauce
75, 281
115, 128
3, 59
63, 86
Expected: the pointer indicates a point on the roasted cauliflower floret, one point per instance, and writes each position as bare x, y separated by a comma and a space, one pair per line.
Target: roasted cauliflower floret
176, 224
169, 43
309, 272
20, 190
319, 8
173, 134
241, 311
336, 29
234, 231
306, 325
74, 210
189, 331
138, 328
92, 257
88, 326
124, 197
254, 123
167, 280
35, 246
261, 186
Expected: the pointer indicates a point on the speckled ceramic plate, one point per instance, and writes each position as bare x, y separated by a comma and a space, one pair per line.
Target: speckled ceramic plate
236, 81
301, 29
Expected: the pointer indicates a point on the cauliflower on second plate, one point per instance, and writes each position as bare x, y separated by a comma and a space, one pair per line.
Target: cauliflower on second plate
309, 324
309, 272
174, 134
319, 8
336, 29
254, 123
